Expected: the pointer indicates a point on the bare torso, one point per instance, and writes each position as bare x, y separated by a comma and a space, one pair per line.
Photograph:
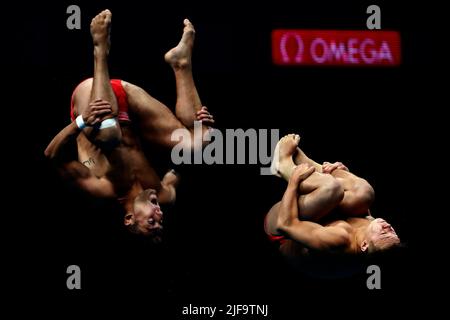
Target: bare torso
124, 167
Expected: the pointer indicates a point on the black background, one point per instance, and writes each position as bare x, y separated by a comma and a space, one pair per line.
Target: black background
215, 249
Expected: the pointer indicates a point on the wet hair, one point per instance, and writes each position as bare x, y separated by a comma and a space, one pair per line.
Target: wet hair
393, 250
372, 248
393, 256
135, 232
134, 228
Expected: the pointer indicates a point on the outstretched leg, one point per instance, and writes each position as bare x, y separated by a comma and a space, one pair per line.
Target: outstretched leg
319, 193
156, 121
180, 59
99, 88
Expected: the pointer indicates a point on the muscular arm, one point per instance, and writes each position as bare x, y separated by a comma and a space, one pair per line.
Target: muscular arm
96, 112
83, 178
309, 234
63, 143
62, 150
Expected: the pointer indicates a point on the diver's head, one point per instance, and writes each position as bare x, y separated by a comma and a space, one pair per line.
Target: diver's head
146, 218
379, 236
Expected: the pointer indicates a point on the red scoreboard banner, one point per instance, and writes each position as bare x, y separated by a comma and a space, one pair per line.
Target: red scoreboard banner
336, 47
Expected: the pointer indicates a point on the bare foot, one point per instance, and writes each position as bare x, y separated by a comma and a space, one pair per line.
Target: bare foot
100, 31
300, 157
282, 162
180, 56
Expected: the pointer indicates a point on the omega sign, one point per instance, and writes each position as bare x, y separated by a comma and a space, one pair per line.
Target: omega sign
336, 47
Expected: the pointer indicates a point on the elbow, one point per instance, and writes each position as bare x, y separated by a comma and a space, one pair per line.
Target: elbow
284, 225
48, 153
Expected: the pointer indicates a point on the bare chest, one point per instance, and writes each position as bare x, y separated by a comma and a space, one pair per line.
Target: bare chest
94, 159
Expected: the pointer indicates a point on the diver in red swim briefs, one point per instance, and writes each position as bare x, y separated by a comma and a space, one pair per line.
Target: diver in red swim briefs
99, 150
119, 93
324, 208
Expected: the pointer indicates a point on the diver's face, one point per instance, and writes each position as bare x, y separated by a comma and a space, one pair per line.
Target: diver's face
381, 234
148, 214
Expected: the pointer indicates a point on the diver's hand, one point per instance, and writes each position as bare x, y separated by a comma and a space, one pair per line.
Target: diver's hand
205, 117
328, 167
301, 172
96, 112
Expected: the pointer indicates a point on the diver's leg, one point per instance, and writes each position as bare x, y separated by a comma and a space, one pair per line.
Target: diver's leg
99, 88
319, 193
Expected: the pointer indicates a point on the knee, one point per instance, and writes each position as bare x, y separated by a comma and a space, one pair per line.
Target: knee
107, 138
332, 190
364, 192
360, 198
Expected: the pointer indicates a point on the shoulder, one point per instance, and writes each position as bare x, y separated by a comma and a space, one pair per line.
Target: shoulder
335, 236
343, 235
340, 224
